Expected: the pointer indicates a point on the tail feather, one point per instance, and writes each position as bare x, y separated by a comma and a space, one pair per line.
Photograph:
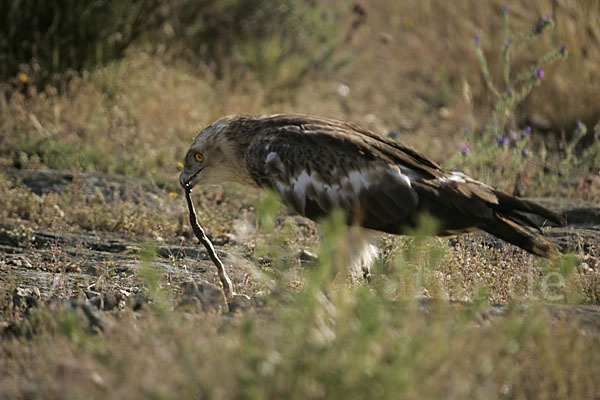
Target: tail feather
461, 206
512, 225
512, 232
507, 202
522, 219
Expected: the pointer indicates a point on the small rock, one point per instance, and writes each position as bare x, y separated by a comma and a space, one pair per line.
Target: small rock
97, 379
210, 296
260, 299
96, 302
585, 268
73, 268
265, 262
15, 262
296, 219
94, 316
307, 258
221, 240
137, 301
240, 302
20, 262
90, 294
445, 112
9, 329
25, 297
385, 38
95, 270
111, 300
60, 212
189, 288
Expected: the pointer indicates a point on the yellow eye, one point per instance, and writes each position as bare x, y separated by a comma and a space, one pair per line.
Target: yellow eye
199, 157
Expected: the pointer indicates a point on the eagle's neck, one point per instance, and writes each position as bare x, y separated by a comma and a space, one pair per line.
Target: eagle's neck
235, 139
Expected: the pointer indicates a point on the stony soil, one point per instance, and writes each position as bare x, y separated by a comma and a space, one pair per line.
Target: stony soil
102, 270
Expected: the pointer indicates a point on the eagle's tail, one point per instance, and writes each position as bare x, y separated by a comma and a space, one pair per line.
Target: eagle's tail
525, 238
511, 225
462, 206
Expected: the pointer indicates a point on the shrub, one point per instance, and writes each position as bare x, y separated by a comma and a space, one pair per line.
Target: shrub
279, 42
39, 39
494, 145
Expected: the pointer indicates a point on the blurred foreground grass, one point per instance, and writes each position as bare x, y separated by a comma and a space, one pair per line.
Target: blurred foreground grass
370, 347
311, 333
326, 339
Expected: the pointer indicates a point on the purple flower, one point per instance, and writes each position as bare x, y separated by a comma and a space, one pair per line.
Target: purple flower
505, 9
502, 141
477, 40
563, 48
527, 129
468, 129
508, 42
540, 73
510, 91
465, 150
578, 125
542, 24
524, 152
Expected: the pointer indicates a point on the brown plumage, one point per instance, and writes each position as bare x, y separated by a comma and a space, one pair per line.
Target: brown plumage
318, 165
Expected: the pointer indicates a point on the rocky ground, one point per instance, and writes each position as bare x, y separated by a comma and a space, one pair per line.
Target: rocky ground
98, 271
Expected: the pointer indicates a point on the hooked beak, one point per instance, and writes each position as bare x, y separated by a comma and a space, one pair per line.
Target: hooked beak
185, 179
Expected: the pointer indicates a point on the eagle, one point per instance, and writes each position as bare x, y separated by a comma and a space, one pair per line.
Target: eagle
319, 165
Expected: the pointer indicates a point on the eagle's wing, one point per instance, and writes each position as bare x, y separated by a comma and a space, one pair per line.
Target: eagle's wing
318, 167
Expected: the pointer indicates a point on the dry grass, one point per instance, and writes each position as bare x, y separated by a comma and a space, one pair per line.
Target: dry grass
420, 57
414, 70
359, 343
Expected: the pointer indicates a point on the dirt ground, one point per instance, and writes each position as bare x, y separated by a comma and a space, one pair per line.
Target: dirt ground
103, 268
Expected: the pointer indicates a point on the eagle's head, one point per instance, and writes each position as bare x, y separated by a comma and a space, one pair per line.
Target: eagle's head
214, 157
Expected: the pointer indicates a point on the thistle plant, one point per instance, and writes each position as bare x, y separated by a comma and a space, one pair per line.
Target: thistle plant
588, 159
511, 91
515, 89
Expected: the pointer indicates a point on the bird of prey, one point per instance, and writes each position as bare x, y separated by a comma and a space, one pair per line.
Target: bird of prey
319, 165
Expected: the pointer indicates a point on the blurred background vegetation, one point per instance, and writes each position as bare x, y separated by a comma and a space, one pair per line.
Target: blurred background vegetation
122, 86
277, 42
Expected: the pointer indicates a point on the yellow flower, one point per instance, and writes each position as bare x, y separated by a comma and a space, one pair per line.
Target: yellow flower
173, 194
23, 77
179, 165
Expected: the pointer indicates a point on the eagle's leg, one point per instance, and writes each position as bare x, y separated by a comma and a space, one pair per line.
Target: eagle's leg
362, 252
